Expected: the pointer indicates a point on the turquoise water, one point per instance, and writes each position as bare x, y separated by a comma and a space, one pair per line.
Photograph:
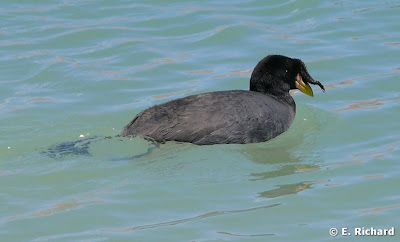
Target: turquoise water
71, 68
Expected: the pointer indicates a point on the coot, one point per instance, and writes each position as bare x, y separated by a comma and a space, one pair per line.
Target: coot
230, 117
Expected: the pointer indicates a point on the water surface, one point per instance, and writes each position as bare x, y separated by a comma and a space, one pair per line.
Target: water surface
72, 68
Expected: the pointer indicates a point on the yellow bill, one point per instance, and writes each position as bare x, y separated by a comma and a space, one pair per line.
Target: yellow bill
302, 86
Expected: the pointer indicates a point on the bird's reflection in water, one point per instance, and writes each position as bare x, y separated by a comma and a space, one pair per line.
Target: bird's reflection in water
283, 162
292, 165
284, 171
287, 189
296, 151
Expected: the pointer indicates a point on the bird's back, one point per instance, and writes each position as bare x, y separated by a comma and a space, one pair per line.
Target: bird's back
236, 116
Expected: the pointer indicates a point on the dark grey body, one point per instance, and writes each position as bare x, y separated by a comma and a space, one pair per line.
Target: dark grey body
224, 117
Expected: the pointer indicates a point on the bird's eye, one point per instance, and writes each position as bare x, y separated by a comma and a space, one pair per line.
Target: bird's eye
286, 71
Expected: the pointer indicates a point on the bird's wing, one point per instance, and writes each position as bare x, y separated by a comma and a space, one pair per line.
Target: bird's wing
216, 117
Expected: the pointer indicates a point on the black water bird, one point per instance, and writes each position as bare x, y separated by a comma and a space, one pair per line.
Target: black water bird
230, 117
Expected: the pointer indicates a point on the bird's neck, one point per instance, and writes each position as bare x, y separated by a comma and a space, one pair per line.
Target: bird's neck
283, 96
266, 85
287, 99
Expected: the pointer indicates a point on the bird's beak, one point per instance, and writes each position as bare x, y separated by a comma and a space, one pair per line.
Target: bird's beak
302, 86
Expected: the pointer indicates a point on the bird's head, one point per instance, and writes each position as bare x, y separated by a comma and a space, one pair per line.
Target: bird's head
277, 74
